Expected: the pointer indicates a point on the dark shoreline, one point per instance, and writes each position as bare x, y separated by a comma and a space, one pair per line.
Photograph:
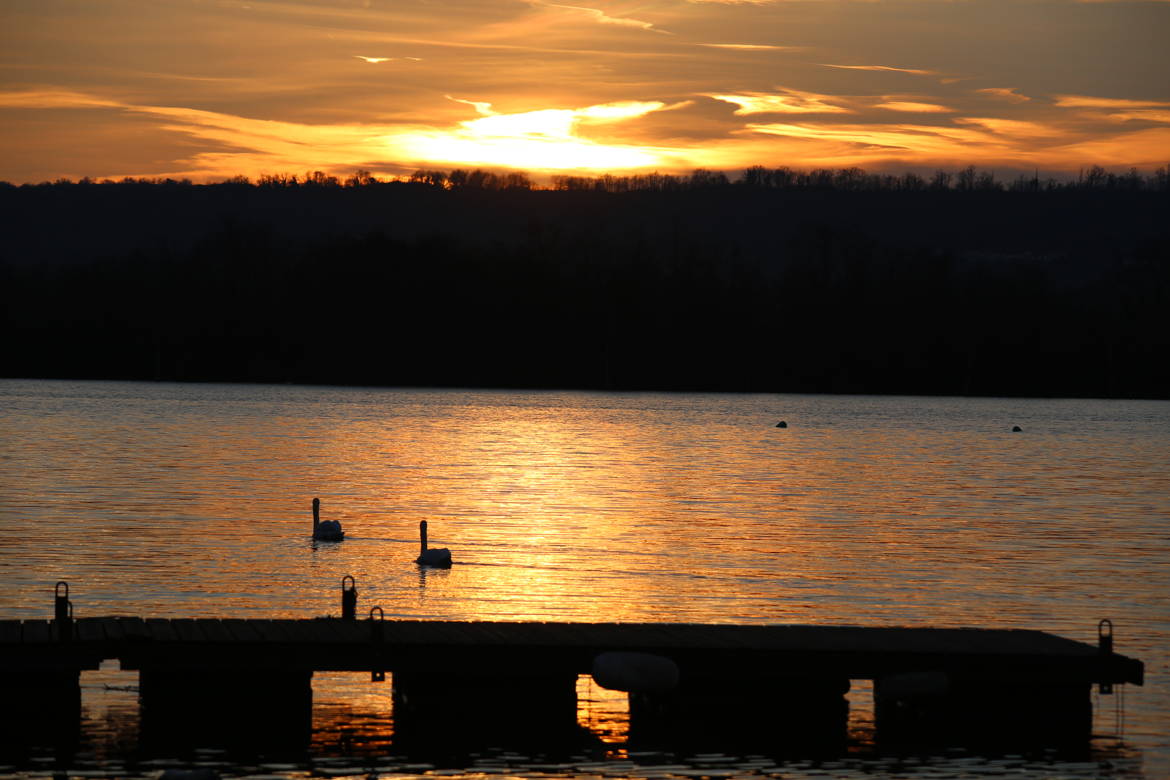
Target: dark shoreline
550, 389
717, 288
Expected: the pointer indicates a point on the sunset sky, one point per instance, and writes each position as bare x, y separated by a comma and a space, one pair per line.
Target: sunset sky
208, 89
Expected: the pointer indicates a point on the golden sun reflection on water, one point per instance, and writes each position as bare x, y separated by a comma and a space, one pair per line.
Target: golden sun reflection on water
605, 713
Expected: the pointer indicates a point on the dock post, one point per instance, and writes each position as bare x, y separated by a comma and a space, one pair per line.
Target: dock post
63, 612
348, 599
377, 636
1105, 648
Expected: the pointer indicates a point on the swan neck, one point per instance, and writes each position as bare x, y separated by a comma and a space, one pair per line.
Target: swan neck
422, 533
316, 513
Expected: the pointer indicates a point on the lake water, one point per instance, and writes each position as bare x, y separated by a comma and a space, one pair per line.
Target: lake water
169, 500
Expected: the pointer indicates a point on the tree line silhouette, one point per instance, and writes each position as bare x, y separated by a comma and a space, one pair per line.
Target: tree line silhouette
852, 179
837, 281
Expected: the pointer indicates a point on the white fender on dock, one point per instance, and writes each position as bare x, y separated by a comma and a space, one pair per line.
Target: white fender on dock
635, 672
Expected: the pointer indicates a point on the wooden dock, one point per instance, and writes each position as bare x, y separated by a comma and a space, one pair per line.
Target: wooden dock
330, 644
759, 679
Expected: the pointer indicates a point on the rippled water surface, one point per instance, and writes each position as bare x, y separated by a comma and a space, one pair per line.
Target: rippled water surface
194, 500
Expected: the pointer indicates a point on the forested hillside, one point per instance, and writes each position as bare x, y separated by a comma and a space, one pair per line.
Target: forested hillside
774, 282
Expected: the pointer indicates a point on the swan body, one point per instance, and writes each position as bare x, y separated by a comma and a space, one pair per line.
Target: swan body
325, 530
438, 557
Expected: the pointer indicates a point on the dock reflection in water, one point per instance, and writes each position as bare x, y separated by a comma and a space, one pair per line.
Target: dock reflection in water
353, 733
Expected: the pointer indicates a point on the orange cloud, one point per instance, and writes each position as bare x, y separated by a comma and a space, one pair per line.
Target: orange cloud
913, 107
1144, 148
1014, 127
378, 60
914, 71
601, 17
53, 98
1140, 115
1083, 101
922, 140
747, 46
788, 101
1004, 93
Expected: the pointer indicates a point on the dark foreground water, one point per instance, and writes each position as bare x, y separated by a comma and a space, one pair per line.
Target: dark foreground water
193, 500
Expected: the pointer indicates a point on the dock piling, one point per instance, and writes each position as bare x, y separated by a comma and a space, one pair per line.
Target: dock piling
376, 637
1105, 647
348, 598
63, 612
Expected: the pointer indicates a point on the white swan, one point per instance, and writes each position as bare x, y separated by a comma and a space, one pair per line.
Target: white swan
327, 531
439, 557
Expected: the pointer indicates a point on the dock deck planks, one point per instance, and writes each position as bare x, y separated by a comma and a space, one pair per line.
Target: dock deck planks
335, 644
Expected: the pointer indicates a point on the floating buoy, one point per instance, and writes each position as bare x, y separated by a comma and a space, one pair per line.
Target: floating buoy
781, 424
1017, 429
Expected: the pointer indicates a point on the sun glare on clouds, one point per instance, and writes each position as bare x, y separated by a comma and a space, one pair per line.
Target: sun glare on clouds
544, 139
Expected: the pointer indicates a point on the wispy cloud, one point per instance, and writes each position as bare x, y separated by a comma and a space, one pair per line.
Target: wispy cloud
748, 46
1117, 110
1004, 93
914, 71
788, 101
1017, 128
910, 106
1084, 101
601, 17
481, 107
922, 140
53, 98
1140, 115
377, 60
